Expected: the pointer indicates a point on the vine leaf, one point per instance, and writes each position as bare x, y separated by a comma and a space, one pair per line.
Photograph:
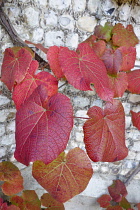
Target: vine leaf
138, 205
83, 68
13, 181
134, 81
66, 176
28, 200
39, 46
136, 119
104, 200
114, 208
31, 81
124, 36
118, 84
124, 203
117, 190
15, 64
4, 206
103, 32
52, 56
48, 201
104, 133
43, 126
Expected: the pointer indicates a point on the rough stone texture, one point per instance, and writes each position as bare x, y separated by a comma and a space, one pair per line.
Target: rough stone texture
67, 23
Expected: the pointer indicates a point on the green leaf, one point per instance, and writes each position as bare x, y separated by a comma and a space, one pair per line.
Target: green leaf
48, 201
103, 32
124, 203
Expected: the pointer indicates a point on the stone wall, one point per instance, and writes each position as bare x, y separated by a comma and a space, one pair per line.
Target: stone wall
67, 23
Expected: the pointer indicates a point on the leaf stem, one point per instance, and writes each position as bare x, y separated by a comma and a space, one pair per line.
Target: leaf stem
134, 172
63, 84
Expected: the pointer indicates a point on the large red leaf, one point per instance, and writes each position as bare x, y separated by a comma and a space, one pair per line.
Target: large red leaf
117, 190
52, 57
124, 36
48, 201
104, 133
66, 176
134, 81
104, 200
13, 181
23, 90
15, 65
118, 84
83, 68
136, 119
43, 126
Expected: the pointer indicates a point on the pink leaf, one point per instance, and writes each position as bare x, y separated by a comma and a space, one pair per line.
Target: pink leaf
134, 81
136, 119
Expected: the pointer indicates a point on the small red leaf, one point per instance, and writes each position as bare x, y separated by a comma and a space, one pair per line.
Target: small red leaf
138, 205
103, 32
48, 201
136, 119
124, 36
99, 48
23, 90
15, 65
13, 181
43, 126
39, 46
104, 201
83, 68
104, 133
66, 176
118, 84
117, 190
114, 208
134, 81
52, 56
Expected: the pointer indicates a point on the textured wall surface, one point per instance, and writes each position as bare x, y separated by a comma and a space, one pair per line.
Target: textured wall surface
67, 23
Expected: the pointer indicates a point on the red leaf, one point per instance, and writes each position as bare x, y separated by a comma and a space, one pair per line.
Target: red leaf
52, 57
112, 60
117, 190
114, 208
124, 36
103, 32
39, 46
12, 207
31, 81
104, 133
43, 126
129, 57
138, 205
136, 119
13, 181
134, 81
118, 84
66, 176
48, 201
85, 68
104, 200
15, 65
90, 40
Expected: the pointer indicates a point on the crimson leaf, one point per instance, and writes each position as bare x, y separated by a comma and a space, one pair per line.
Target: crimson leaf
43, 126
136, 119
83, 68
134, 81
104, 200
104, 133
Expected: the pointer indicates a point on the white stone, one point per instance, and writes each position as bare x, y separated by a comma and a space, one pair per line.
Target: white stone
23, 33
59, 4
134, 134
80, 101
78, 5
2, 151
7, 139
97, 102
3, 115
126, 107
138, 51
81, 113
51, 18
131, 155
136, 108
79, 136
32, 16
4, 100
41, 2
124, 12
86, 23
14, 13
137, 30
72, 40
38, 34
67, 22
136, 146
2, 130
54, 38
136, 14
134, 98
137, 156
93, 5
11, 127
127, 122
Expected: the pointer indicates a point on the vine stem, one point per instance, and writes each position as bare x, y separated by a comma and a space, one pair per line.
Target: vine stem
6, 23
134, 172
84, 118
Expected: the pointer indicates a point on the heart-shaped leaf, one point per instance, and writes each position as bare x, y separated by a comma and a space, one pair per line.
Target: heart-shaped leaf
48, 201
103, 32
43, 126
16, 62
134, 81
13, 181
23, 90
66, 176
124, 36
83, 68
136, 119
104, 201
118, 84
104, 133
117, 190
99, 48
